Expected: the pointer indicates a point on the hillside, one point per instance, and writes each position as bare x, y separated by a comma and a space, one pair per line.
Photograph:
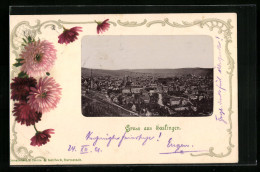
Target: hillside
144, 72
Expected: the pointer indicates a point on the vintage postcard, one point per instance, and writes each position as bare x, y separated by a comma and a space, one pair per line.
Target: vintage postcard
123, 89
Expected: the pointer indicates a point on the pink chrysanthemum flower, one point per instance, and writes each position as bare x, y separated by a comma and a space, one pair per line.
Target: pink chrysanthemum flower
102, 26
24, 114
45, 96
39, 57
69, 35
41, 137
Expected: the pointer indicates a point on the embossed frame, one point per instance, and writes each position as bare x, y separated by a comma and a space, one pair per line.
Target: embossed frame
223, 27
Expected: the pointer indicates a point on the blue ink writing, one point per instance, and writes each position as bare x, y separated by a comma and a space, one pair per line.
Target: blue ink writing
179, 148
109, 139
84, 149
140, 137
72, 148
97, 138
219, 85
220, 59
124, 137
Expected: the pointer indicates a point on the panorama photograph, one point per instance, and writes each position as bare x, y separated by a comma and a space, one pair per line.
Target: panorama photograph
147, 76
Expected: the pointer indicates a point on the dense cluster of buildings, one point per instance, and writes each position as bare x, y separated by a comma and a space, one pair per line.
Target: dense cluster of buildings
186, 95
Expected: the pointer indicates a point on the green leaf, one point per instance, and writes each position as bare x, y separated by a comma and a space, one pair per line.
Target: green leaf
29, 39
47, 73
22, 75
24, 40
17, 64
19, 60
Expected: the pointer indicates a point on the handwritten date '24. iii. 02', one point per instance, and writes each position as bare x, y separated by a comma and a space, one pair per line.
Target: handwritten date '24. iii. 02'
93, 146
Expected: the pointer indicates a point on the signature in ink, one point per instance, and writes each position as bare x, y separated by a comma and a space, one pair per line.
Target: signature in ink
179, 148
221, 114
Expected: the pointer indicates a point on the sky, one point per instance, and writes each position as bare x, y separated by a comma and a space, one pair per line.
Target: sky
147, 52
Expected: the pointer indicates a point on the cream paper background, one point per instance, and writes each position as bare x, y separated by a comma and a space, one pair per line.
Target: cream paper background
71, 126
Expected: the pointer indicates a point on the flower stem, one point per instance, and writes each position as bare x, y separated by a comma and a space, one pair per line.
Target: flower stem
35, 128
97, 22
64, 29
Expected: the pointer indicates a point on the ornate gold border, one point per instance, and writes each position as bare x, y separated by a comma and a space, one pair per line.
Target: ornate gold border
212, 23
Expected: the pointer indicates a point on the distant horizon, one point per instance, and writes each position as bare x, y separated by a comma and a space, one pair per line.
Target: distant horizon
155, 72
154, 68
116, 52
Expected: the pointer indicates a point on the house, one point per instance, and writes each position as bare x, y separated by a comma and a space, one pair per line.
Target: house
126, 91
159, 89
170, 111
152, 91
200, 98
85, 82
175, 101
170, 88
195, 92
115, 99
136, 90
181, 108
165, 89
203, 86
193, 97
129, 100
182, 88
184, 102
194, 87
133, 108
118, 82
145, 97
187, 91
104, 91
124, 100
153, 85
194, 108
